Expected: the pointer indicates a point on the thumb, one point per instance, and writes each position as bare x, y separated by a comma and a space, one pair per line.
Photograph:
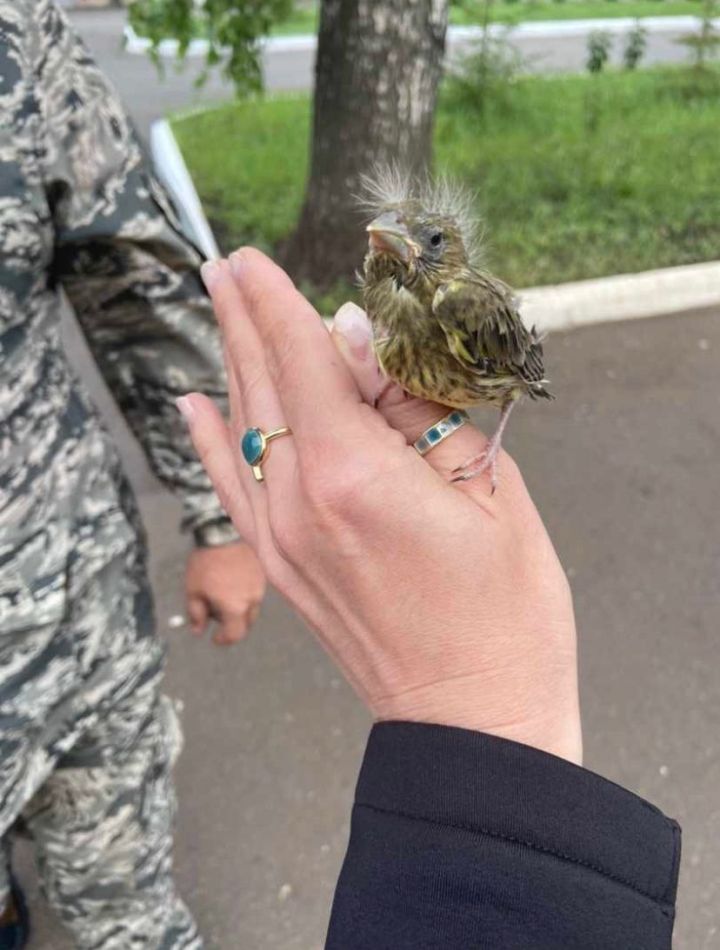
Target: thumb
353, 337
199, 613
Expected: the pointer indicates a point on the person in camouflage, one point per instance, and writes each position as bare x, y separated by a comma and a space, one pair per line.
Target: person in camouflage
86, 738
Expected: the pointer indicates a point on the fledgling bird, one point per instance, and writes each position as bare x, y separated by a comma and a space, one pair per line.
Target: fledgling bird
444, 329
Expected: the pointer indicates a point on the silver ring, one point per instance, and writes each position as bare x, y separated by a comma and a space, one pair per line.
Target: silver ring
441, 430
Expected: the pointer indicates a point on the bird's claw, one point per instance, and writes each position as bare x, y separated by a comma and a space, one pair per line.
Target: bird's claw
486, 461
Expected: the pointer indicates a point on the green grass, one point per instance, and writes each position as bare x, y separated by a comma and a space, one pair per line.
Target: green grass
576, 176
507, 11
304, 18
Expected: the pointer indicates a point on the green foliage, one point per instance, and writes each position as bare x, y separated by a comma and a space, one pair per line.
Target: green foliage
482, 79
704, 44
694, 87
233, 29
599, 45
635, 46
556, 203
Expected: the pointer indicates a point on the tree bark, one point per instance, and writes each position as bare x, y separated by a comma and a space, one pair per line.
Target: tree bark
376, 80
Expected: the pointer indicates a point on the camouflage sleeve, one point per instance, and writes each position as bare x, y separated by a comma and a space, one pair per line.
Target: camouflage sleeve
128, 269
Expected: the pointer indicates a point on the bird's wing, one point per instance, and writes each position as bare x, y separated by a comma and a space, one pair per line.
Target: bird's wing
480, 319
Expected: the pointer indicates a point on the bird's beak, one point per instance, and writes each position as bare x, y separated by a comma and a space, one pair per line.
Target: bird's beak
389, 233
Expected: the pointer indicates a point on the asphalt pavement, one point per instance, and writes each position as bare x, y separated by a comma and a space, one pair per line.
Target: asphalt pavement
623, 467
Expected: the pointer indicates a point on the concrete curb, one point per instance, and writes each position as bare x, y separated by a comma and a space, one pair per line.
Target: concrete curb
137, 45
654, 293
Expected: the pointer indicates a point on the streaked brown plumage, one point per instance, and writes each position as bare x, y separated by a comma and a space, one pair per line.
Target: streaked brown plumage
444, 328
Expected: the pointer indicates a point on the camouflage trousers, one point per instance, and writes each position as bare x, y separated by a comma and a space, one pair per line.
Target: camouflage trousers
87, 740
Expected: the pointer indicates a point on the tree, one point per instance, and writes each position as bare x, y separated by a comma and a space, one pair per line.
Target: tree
704, 44
376, 79
377, 73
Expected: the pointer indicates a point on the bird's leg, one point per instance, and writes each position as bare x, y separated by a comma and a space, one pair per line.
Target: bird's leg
488, 457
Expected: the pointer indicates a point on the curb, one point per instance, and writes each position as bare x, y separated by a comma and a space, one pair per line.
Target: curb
656, 293
456, 35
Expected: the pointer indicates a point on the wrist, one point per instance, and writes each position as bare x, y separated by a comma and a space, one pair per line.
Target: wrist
215, 533
469, 706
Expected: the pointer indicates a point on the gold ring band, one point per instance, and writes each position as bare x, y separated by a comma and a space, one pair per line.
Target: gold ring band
255, 447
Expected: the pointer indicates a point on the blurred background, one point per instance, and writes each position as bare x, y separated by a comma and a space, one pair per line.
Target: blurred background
588, 131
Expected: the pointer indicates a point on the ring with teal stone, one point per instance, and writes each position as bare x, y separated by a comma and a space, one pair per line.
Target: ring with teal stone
255, 445
441, 430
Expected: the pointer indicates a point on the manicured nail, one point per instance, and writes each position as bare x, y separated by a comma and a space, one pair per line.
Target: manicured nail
354, 327
209, 273
186, 408
236, 264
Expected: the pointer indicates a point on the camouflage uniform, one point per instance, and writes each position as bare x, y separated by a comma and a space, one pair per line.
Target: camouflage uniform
86, 738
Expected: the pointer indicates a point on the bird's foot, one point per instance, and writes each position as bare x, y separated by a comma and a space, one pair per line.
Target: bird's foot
485, 462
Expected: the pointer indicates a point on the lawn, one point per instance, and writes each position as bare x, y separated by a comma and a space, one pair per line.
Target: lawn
576, 176
304, 18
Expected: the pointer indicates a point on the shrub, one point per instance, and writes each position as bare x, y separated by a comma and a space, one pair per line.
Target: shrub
635, 46
704, 44
599, 46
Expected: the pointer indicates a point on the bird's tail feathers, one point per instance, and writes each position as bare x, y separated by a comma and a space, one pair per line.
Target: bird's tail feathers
538, 391
538, 336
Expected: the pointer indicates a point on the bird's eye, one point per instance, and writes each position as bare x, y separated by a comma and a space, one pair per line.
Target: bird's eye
436, 239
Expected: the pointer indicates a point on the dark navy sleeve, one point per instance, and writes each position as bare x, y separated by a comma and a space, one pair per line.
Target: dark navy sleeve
462, 841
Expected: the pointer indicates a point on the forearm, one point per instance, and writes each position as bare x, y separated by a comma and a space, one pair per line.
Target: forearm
461, 840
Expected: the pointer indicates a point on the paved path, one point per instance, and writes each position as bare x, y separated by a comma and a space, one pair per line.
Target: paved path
624, 469
288, 62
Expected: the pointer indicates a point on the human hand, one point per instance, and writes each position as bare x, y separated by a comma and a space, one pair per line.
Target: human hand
440, 602
226, 584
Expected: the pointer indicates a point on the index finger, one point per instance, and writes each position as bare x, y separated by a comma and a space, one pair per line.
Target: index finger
313, 383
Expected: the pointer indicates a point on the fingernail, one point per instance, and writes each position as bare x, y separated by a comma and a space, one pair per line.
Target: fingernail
209, 272
236, 264
186, 408
354, 327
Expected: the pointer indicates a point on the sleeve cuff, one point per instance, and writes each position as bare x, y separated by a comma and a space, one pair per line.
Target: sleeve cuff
456, 777
215, 533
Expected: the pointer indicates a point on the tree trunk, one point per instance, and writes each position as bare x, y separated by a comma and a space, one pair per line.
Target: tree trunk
376, 79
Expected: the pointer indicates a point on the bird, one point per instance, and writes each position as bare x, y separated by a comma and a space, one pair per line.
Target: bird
444, 328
